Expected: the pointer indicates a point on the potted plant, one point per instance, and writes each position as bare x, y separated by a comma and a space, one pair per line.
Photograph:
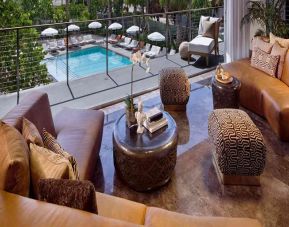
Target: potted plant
267, 14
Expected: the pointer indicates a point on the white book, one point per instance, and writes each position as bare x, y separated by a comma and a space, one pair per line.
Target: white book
154, 126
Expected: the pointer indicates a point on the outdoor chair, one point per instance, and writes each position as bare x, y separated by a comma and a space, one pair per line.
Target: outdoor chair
133, 44
45, 48
81, 40
111, 37
172, 52
88, 39
52, 45
125, 43
73, 42
155, 50
206, 42
61, 44
115, 40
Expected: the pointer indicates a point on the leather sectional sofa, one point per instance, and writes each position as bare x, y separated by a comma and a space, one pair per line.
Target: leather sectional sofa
80, 133
264, 95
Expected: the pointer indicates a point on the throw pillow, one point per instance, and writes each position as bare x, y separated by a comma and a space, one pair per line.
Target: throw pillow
202, 19
46, 164
14, 159
30, 133
51, 143
265, 62
281, 41
258, 42
70, 193
279, 51
209, 29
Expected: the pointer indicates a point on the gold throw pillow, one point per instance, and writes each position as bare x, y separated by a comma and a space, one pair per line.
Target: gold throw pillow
51, 143
283, 42
30, 133
46, 164
14, 159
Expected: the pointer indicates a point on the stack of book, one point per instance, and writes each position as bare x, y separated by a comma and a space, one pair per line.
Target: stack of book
155, 120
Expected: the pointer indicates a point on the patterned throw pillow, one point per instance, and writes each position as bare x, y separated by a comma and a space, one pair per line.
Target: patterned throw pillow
281, 41
51, 143
30, 133
278, 50
265, 62
46, 164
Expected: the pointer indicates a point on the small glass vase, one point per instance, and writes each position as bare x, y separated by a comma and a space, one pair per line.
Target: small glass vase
130, 117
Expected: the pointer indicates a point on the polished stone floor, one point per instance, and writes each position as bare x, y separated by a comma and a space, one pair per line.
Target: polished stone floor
194, 188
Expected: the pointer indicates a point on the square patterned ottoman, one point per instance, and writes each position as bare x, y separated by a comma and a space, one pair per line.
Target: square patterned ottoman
239, 154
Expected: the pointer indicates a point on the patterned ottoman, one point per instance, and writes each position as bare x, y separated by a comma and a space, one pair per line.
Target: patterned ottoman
240, 153
174, 88
184, 50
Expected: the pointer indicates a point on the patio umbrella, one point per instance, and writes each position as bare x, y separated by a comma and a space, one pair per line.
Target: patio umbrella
115, 26
94, 25
133, 29
49, 32
72, 28
156, 36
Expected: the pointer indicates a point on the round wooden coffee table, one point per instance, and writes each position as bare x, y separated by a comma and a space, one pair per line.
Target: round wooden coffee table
226, 95
145, 161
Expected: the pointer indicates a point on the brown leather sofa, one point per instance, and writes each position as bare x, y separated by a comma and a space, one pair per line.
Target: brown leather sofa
80, 133
264, 95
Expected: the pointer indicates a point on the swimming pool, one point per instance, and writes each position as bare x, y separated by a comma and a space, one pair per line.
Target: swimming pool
85, 62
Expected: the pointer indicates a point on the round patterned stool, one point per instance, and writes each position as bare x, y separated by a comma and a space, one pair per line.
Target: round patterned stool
239, 155
184, 50
174, 88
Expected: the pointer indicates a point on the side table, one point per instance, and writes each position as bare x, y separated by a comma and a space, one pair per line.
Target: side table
226, 95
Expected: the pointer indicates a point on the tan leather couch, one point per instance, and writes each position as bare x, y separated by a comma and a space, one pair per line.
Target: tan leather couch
80, 132
264, 95
112, 211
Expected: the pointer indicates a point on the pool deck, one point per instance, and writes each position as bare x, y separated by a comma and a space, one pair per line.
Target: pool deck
103, 89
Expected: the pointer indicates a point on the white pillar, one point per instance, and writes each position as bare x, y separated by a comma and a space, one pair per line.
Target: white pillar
237, 37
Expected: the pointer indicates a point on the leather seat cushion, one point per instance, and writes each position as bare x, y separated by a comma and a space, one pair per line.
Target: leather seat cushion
201, 44
79, 132
121, 209
157, 217
20, 211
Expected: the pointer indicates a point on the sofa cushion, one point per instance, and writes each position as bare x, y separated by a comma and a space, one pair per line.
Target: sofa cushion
259, 42
30, 133
201, 44
121, 209
279, 51
46, 164
36, 108
281, 41
14, 159
157, 217
51, 143
265, 62
285, 72
25, 212
79, 132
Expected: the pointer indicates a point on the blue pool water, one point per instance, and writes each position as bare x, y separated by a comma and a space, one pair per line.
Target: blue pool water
85, 62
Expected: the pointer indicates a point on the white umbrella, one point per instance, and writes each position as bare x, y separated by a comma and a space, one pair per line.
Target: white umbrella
133, 29
156, 36
49, 32
115, 26
94, 25
72, 28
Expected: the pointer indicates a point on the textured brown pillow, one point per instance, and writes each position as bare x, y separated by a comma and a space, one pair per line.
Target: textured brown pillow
71, 193
30, 133
278, 50
209, 29
281, 41
265, 62
51, 143
259, 42
46, 164
14, 161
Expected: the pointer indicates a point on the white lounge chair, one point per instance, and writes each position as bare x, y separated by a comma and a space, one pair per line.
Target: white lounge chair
155, 50
45, 48
61, 44
81, 40
147, 47
52, 45
133, 44
88, 39
125, 43
73, 42
172, 52
111, 37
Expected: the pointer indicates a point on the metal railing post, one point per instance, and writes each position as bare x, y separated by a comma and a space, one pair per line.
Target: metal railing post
67, 61
167, 34
17, 65
190, 26
106, 46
